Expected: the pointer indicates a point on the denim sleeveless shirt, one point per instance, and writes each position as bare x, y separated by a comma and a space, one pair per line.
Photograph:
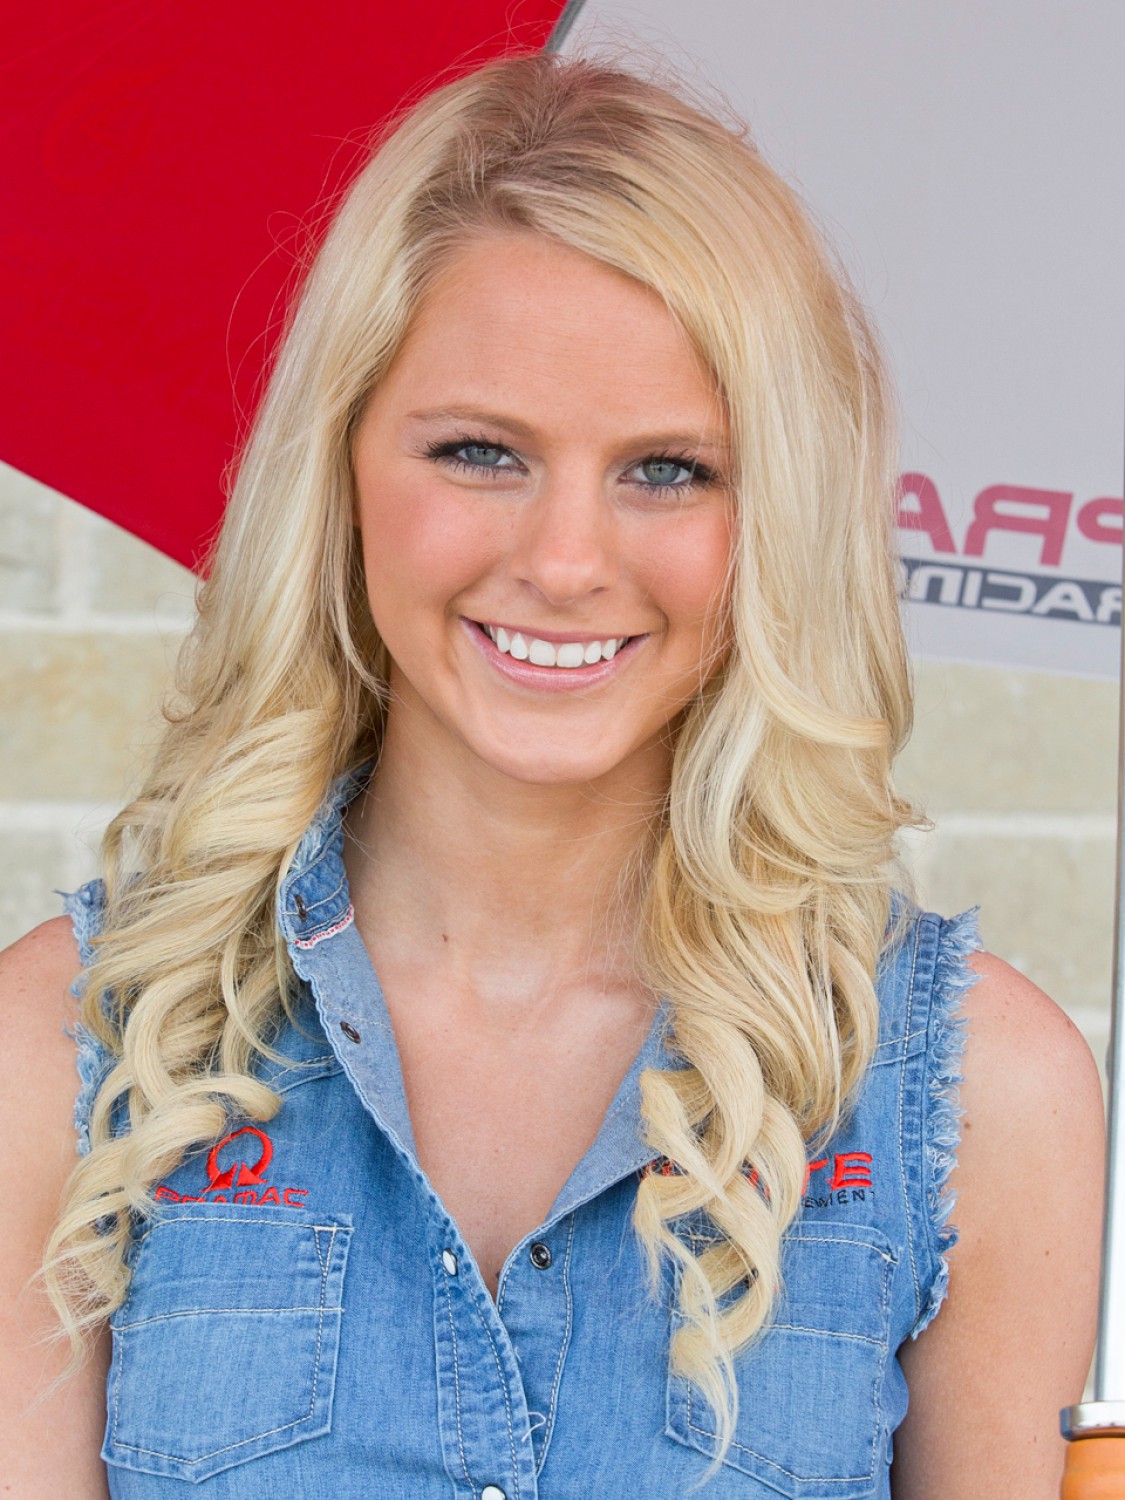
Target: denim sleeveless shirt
304, 1319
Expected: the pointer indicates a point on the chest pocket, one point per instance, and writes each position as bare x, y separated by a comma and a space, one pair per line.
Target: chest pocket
810, 1422
225, 1348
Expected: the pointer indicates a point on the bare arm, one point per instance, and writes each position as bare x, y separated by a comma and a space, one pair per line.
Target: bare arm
1014, 1340
50, 1448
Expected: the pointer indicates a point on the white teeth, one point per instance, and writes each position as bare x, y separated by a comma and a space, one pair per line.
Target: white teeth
569, 654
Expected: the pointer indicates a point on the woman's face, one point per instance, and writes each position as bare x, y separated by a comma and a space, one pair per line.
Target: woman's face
545, 514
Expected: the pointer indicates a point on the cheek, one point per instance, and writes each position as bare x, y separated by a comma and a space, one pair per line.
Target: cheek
419, 549
689, 571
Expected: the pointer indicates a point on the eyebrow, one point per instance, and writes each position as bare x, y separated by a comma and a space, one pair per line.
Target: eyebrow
524, 431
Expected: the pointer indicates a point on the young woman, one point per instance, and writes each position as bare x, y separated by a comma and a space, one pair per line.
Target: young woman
550, 667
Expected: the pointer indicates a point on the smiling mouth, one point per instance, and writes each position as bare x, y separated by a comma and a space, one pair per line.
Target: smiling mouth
568, 655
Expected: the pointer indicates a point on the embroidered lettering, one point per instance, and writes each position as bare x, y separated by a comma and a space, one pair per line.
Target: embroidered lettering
848, 1177
243, 1175
851, 1169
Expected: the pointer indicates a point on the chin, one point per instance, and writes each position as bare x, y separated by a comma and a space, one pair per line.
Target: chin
551, 767
553, 773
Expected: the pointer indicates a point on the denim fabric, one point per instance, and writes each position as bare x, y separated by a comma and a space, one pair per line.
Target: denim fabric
305, 1320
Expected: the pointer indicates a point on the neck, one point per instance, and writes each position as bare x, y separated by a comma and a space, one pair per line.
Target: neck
515, 887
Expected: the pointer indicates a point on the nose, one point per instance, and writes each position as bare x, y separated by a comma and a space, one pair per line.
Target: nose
566, 545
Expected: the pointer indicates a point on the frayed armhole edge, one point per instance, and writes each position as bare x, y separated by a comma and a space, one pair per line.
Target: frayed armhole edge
92, 1060
948, 1031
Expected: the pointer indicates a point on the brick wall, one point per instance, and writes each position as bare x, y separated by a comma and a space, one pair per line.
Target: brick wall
1017, 770
90, 619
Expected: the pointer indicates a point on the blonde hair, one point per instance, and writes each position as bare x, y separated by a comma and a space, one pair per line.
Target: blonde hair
767, 898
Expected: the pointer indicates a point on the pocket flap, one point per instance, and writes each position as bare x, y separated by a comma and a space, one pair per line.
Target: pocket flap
810, 1422
226, 1346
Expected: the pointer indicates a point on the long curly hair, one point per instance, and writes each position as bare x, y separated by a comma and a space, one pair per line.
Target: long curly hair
767, 890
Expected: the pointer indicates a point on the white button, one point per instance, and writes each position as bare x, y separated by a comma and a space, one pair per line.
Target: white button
449, 1261
492, 1492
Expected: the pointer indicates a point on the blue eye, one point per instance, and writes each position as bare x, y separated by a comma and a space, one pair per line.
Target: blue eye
663, 471
472, 455
480, 455
670, 471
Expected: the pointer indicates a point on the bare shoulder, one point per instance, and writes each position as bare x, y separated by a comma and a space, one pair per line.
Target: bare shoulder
51, 947
1031, 1093
1013, 1342
1031, 1160
40, 1075
1008, 1008
36, 1005
36, 974
51, 1447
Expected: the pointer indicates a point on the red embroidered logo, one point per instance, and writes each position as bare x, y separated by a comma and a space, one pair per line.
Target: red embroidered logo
241, 1178
239, 1175
843, 1178
850, 1169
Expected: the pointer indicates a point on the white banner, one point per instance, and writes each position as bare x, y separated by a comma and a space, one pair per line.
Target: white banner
968, 163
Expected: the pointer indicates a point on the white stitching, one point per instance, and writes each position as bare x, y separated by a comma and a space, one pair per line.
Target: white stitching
841, 1239
324, 1264
194, 1312
829, 1333
320, 1257
507, 1403
171, 1222
563, 1346
456, 1384
898, 1041
258, 1436
204, 1457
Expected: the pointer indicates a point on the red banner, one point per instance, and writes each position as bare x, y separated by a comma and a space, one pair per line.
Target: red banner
165, 167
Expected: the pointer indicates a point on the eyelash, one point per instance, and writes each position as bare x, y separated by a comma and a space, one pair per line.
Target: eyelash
447, 451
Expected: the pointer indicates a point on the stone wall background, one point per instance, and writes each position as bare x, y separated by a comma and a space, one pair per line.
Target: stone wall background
1017, 771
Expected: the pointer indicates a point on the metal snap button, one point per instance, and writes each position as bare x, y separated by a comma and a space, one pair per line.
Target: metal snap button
350, 1032
540, 1255
302, 909
492, 1492
449, 1261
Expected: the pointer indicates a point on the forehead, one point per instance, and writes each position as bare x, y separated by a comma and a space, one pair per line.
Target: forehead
523, 324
